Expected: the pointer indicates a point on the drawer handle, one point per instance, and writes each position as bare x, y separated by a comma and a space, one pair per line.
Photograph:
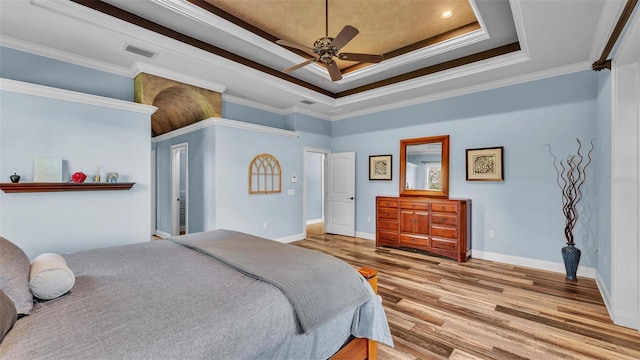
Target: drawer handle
442, 208
442, 232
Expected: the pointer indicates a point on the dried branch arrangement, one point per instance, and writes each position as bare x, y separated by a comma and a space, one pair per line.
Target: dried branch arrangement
570, 176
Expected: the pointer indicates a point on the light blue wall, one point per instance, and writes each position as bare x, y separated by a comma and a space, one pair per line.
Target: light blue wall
308, 124
22, 66
201, 180
603, 169
233, 111
525, 209
219, 158
314, 186
236, 209
83, 136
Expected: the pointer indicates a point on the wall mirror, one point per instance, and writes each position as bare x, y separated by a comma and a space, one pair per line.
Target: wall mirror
424, 166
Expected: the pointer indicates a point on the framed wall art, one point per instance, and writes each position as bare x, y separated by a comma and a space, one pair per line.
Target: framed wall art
380, 167
485, 164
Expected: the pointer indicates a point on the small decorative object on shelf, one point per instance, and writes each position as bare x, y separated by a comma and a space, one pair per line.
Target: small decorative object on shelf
112, 177
78, 177
96, 178
15, 178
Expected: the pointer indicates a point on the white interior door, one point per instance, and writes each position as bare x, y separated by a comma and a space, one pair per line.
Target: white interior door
341, 190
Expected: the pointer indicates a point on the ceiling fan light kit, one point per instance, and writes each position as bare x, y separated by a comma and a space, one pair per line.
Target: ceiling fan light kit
326, 48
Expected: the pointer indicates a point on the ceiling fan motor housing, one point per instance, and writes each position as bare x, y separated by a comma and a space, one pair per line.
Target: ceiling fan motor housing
323, 48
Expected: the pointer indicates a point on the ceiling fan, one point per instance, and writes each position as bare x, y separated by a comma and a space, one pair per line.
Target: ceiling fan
326, 48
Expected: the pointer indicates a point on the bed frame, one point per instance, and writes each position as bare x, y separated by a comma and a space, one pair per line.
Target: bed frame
360, 348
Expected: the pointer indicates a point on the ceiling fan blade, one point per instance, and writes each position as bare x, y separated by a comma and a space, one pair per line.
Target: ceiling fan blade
346, 34
296, 67
368, 58
334, 72
296, 46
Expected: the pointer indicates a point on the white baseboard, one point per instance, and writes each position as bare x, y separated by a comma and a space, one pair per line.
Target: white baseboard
532, 263
314, 221
162, 234
290, 238
604, 293
367, 236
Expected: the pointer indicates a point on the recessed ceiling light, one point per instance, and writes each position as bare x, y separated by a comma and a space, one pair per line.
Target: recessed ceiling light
446, 14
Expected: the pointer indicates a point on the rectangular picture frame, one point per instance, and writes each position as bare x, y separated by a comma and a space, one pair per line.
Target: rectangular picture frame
485, 164
380, 167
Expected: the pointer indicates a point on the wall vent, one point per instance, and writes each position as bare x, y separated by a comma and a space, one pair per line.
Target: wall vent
139, 51
307, 102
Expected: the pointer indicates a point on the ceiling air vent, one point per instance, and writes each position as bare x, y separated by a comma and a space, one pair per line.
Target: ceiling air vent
307, 102
139, 51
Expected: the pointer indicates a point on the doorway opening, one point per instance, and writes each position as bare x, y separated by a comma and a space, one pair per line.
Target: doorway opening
314, 192
179, 189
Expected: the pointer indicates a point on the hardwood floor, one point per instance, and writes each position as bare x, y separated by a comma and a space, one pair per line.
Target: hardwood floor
439, 309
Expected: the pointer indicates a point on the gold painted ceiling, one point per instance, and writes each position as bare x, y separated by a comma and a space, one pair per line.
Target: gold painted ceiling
387, 27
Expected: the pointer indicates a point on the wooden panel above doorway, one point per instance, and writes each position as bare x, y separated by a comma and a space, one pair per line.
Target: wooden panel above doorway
178, 104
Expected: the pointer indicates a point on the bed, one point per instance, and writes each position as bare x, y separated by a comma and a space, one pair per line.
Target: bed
213, 295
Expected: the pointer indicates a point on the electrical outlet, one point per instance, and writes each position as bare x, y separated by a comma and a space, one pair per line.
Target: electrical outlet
492, 234
368, 218
265, 226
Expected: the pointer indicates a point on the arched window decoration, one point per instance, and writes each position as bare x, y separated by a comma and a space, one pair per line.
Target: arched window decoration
265, 175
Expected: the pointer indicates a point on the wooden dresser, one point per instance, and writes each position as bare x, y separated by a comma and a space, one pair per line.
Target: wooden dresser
439, 226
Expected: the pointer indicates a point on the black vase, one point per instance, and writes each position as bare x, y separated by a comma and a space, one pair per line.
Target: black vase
15, 178
571, 257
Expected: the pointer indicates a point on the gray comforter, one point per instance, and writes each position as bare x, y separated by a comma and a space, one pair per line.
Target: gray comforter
161, 300
319, 286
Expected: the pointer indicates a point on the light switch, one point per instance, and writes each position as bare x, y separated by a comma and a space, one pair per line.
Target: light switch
294, 179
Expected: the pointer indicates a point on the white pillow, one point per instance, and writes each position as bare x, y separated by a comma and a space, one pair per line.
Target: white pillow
50, 277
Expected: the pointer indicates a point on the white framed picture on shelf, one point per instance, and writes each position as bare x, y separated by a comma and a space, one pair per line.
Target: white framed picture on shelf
47, 169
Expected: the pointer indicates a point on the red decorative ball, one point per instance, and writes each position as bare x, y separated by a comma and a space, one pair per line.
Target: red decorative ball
78, 177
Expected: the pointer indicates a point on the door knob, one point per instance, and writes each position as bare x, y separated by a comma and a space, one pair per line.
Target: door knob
351, 198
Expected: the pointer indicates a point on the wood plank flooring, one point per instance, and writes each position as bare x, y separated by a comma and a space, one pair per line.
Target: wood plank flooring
439, 309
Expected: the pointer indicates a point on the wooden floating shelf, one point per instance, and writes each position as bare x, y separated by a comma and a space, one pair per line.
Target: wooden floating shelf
54, 187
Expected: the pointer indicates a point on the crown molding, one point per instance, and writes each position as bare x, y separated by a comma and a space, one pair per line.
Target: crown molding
206, 18
227, 123
273, 109
569, 69
465, 70
516, 12
303, 111
64, 56
131, 72
628, 51
604, 28
253, 104
417, 55
73, 96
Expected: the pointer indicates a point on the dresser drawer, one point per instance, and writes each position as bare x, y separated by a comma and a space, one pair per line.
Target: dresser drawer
444, 244
386, 224
449, 232
388, 213
414, 240
387, 236
441, 207
413, 205
390, 203
444, 219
